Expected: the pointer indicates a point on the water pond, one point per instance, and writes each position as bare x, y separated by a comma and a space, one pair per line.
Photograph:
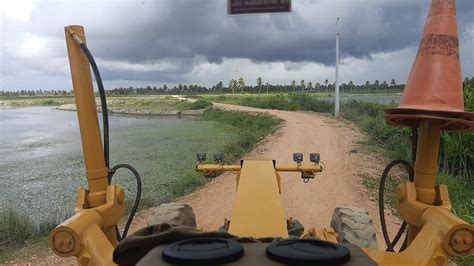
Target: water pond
41, 164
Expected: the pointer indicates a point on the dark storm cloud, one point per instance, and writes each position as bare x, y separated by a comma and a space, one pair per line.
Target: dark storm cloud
185, 29
130, 39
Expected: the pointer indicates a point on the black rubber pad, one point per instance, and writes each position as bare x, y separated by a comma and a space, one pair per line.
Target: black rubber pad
308, 251
203, 251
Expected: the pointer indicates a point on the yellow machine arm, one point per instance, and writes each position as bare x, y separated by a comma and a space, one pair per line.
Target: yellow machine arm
258, 210
90, 234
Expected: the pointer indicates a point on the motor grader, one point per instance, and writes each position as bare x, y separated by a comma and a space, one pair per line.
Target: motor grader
259, 232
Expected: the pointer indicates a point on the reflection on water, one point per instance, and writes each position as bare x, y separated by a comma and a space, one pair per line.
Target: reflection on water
41, 165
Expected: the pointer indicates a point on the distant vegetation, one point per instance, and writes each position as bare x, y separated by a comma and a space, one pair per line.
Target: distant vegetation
234, 86
238, 86
155, 103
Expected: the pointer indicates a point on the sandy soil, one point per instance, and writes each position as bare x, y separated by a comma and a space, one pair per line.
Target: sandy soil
311, 203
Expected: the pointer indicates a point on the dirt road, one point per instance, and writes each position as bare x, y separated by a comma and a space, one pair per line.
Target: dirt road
311, 203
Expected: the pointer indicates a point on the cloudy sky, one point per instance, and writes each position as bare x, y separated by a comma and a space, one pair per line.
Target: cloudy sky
142, 42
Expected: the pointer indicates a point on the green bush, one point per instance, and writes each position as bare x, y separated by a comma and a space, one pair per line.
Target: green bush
252, 128
48, 102
54, 219
200, 104
370, 117
188, 183
15, 228
458, 156
192, 96
291, 102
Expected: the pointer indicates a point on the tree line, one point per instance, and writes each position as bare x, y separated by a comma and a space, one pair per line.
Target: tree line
239, 86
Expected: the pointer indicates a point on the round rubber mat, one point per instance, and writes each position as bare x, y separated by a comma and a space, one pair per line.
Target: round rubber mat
308, 251
203, 251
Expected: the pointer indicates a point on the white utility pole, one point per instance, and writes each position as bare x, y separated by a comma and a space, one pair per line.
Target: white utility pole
336, 100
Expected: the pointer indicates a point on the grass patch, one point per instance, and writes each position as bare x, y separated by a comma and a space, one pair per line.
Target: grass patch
391, 186
15, 228
291, 102
37, 101
156, 103
153, 102
461, 195
48, 102
18, 229
281, 101
370, 117
200, 104
188, 183
251, 129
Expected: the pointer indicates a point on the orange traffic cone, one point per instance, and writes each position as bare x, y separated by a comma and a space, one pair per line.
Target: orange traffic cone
434, 88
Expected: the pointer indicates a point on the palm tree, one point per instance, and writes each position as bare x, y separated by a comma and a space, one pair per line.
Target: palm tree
326, 84
384, 85
317, 86
293, 85
267, 85
376, 85
310, 86
218, 86
351, 84
259, 83
232, 85
241, 84
367, 86
393, 84
302, 84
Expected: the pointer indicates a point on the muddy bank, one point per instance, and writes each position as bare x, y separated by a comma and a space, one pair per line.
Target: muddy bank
72, 107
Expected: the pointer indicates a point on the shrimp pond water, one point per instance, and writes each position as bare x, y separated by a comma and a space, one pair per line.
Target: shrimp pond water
41, 164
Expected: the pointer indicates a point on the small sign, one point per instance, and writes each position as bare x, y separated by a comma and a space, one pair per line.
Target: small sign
236, 7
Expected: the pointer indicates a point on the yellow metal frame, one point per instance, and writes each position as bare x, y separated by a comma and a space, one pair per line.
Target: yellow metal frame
435, 233
90, 234
258, 210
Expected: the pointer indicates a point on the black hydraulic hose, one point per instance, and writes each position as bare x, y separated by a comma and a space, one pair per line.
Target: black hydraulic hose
105, 126
137, 197
103, 101
390, 244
